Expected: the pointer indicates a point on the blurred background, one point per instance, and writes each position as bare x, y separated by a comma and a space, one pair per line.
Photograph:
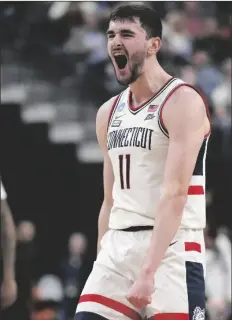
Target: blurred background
55, 74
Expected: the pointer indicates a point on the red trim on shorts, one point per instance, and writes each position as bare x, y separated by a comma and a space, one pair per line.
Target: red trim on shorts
112, 304
201, 95
195, 190
152, 97
170, 316
112, 110
192, 246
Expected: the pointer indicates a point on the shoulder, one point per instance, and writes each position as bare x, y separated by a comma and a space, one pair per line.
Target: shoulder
105, 110
185, 109
186, 93
185, 101
102, 121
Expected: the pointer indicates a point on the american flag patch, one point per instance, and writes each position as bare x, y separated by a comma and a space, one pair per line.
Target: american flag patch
152, 108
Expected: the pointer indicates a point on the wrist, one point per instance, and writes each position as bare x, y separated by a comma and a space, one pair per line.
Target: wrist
147, 272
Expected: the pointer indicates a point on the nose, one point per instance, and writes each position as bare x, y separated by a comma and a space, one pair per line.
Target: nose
117, 41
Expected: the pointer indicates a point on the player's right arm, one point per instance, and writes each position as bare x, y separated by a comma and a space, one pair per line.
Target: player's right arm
108, 175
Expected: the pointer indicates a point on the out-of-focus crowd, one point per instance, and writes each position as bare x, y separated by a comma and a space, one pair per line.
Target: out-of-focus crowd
48, 296
64, 43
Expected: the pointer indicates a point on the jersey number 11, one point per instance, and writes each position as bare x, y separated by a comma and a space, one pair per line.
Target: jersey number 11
125, 183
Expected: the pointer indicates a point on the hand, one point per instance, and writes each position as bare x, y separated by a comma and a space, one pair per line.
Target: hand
8, 292
140, 294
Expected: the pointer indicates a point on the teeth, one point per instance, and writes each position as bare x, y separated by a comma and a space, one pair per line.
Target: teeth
119, 54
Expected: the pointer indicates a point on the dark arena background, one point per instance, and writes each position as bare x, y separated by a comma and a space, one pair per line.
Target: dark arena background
55, 74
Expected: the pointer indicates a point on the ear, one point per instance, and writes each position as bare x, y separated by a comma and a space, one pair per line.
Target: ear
154, 45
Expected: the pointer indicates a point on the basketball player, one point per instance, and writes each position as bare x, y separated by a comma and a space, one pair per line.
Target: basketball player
154, 137
8, 240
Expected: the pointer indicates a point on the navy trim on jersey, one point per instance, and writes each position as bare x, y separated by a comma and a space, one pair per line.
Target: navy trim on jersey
199, 167
154, 97
196, 289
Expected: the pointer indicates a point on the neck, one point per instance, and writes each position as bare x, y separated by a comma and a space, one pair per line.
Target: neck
149, 82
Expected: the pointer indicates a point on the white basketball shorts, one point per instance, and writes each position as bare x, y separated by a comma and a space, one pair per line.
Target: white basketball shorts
179, 291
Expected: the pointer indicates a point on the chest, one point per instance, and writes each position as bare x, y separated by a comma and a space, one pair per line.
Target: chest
135, 129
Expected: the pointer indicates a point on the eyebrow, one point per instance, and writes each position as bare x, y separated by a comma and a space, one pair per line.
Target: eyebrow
110, 32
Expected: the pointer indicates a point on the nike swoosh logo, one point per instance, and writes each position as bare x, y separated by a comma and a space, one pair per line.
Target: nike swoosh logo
172, 243
119, 116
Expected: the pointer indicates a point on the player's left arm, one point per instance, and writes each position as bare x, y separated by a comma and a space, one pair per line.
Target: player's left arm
185, 118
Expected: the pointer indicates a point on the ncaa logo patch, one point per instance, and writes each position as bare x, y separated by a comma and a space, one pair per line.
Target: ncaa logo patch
199, 314
121, 107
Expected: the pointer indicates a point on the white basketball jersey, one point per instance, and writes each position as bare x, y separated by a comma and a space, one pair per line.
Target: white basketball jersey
137, 144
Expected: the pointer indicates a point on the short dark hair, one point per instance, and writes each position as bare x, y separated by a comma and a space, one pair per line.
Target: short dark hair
148, 17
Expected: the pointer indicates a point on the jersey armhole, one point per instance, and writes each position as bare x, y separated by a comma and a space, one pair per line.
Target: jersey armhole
160, 117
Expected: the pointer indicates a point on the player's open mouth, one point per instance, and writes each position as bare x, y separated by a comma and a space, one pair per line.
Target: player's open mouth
121, 60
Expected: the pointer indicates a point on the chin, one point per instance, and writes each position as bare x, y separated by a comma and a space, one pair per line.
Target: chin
127, 81
124, 81
122, 77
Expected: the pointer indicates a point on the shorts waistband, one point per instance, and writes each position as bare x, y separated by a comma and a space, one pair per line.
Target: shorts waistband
137, 228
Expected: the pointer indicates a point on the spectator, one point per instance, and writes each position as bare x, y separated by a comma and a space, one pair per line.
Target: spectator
188, 74
176, 35
25, 253
24, 266
71, 272
48, 295
221, 102
208, 77
221, 96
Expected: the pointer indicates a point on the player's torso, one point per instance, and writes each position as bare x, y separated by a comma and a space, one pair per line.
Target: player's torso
137, 146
